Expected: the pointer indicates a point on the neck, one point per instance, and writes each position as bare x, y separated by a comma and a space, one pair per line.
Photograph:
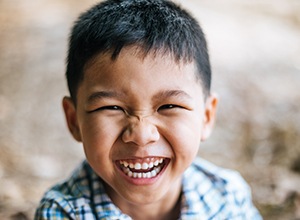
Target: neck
167, 207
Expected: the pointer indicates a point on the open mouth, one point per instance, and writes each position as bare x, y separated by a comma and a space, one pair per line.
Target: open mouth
143, 169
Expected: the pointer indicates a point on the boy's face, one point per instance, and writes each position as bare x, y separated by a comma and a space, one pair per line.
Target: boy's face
149, 114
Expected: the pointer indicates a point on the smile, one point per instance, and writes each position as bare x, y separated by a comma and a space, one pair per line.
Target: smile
143, 169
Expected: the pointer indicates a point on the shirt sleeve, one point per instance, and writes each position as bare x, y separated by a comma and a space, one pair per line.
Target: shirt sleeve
251, 213
242, 199
50, 209
58, 206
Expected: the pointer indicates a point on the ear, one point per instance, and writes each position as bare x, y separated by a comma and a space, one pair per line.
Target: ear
209, 116
71, 117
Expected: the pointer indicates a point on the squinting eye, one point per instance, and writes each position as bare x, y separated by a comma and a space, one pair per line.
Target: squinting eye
108, 108
111, 107
168, 106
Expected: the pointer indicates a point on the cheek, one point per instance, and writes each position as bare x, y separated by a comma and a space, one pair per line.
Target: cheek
184, 136
185, 142
98, 137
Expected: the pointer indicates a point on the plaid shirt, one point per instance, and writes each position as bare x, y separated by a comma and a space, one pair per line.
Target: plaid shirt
208, 192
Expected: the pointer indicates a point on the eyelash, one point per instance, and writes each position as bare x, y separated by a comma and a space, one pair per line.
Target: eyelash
168, 106
118, 108
111, 107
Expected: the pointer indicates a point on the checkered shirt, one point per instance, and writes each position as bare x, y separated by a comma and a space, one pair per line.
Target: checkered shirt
208, 192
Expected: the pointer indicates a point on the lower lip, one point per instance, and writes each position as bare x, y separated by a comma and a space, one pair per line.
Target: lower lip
142, 181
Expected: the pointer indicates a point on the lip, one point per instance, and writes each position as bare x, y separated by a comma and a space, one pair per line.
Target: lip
142, 181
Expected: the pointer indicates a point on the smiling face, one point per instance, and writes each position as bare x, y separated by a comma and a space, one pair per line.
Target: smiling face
141, 121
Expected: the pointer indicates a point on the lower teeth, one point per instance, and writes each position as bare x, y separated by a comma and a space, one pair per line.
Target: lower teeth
148, 175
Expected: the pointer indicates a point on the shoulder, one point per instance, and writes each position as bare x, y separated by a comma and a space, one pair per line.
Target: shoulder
218, 192
219, 178
68, 199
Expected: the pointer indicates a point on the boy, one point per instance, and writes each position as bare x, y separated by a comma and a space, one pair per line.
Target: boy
138, 72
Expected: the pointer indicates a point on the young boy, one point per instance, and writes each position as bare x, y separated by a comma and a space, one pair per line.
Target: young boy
139, 76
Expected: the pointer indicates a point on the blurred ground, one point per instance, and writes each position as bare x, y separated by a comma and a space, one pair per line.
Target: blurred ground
255, 54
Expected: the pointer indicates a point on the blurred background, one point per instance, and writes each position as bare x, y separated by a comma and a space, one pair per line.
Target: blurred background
255, 56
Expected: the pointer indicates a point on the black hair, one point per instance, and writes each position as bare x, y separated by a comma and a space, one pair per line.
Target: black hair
153, 25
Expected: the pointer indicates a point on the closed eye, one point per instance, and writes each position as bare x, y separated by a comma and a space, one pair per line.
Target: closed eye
109, 108
169, 106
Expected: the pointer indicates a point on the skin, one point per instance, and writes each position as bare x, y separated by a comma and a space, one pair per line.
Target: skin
135, 108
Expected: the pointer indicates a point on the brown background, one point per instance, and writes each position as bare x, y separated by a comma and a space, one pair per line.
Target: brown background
255, 55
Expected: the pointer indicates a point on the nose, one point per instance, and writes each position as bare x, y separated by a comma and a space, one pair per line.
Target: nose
140, 132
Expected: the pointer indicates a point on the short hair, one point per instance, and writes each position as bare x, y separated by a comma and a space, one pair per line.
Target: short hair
153, 25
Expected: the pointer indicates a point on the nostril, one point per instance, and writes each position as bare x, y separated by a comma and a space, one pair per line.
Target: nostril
140, 133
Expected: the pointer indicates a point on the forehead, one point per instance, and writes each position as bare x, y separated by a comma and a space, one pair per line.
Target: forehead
136, 56
135, 75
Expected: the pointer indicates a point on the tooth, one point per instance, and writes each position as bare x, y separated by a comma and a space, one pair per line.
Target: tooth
137, 166
156, 165
157, 169
153, 173
145, 166
126, 170
148, 175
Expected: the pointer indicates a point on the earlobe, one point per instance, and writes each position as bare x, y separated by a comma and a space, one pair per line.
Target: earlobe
209, 116
71, 117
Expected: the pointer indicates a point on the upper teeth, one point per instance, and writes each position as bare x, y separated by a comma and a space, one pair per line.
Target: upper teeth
142, 166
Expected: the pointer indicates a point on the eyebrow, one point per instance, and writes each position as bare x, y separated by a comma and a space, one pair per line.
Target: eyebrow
164, 94
102, 95
171, 93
